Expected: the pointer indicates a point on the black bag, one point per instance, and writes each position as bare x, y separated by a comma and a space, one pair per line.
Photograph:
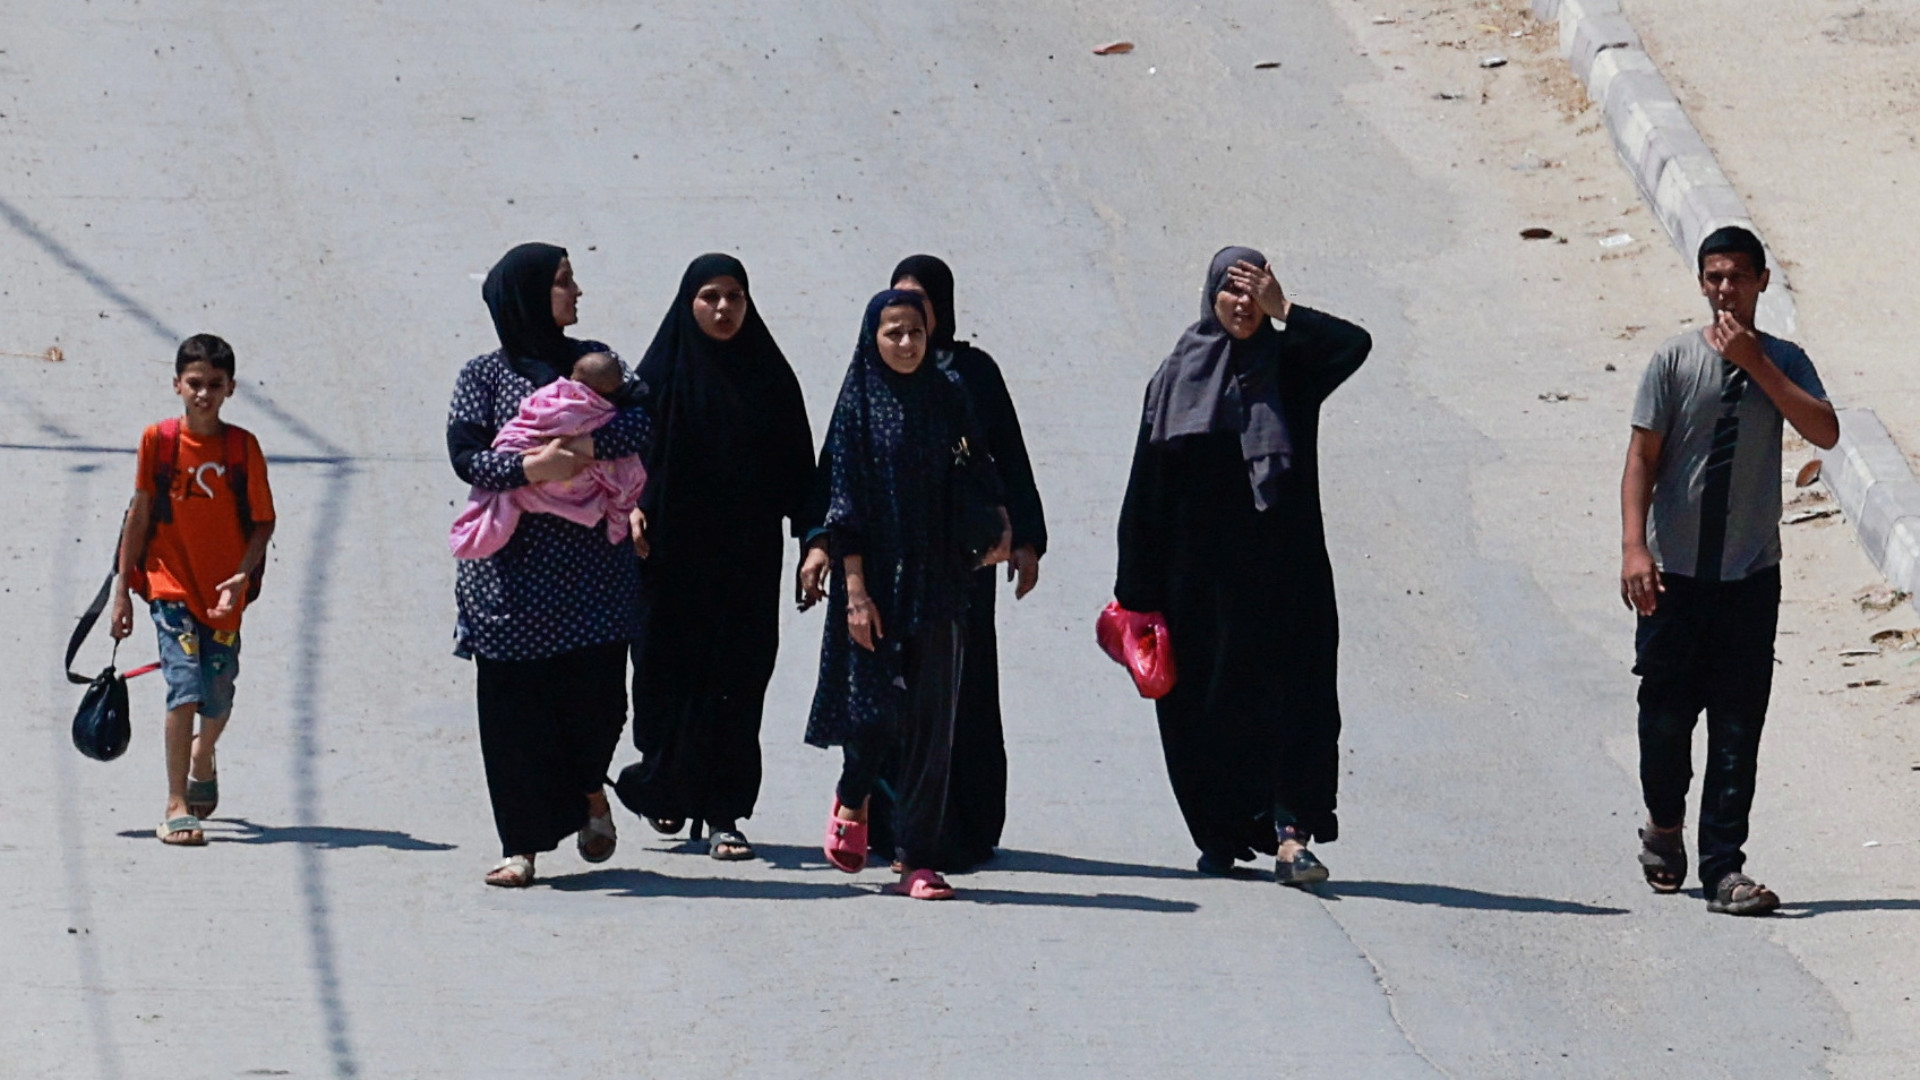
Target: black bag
972, 487
102, 728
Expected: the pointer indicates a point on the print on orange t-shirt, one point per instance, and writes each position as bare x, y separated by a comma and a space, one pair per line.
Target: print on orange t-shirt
188, 558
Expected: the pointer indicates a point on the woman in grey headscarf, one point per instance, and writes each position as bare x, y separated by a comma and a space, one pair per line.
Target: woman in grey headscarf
1221, 533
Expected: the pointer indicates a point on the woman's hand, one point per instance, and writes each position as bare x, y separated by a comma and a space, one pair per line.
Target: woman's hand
863, 618
637, 525
1002, 549
1024, 567
810, 583
1259, 283
552, 461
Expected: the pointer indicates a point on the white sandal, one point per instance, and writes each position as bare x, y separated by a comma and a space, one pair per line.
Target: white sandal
512, 873
597, 828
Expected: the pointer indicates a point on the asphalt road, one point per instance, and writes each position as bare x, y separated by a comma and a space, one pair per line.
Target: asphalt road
323, 187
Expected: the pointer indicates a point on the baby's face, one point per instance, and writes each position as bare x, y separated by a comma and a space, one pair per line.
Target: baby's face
600, 372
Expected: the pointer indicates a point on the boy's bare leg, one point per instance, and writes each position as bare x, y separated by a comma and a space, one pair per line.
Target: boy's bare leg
201, 764
179, 753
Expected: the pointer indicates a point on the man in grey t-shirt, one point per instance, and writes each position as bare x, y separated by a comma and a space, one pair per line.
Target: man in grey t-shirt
1702, 570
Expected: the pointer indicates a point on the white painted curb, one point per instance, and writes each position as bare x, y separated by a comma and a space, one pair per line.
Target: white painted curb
1690, 195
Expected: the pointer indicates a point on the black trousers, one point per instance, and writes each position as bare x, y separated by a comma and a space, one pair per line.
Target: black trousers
1707, 646
914, 760
548, 729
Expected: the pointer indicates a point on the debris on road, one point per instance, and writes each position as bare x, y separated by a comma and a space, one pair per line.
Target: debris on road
1803, 516
1860, 652
1561, 395
51, 354
1493, 61
1866, 682
1266, 65
1447, 95
1808, 473
1895, 638
1535, 232
1616, 240
1384, 20
1113, 48
1879, 598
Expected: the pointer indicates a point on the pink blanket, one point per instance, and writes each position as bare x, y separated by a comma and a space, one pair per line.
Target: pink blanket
604, 490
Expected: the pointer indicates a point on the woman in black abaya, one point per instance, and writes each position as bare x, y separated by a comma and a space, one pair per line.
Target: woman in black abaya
1221, 532
977, 791
732, 455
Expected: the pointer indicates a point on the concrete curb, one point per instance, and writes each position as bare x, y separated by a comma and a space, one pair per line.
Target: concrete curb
1683, 184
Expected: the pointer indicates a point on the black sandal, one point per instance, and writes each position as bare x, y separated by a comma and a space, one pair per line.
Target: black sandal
1738, 894
667, 826
1302, 869
1663, 858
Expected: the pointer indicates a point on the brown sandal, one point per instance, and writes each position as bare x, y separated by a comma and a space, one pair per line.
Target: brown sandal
1738, 894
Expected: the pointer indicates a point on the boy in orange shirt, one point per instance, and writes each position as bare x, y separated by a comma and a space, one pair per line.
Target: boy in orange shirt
193, 545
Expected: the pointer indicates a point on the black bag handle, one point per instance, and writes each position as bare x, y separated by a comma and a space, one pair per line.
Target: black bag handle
85, 627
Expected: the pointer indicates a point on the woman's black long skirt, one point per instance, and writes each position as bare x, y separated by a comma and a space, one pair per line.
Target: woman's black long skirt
548, 729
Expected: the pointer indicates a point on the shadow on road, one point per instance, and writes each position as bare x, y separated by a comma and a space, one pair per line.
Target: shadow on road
627, 882
1044, 862
1809, 908
330, 837
1109, 901
1455, 897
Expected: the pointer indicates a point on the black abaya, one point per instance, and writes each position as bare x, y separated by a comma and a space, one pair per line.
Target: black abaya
977, 797
1251, 729
733, 455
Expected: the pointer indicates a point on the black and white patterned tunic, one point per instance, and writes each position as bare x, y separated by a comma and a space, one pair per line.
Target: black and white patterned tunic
556, 586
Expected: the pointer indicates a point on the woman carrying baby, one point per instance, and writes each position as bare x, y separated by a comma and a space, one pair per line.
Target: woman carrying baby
548, 615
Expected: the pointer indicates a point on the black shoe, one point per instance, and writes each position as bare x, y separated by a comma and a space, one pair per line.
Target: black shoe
1215, 864
1302, 869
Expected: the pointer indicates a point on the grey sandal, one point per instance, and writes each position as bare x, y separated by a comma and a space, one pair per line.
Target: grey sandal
596, 841
203, 797
729, 838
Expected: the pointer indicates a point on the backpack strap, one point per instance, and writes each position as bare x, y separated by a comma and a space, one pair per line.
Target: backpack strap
166, 453
233, 455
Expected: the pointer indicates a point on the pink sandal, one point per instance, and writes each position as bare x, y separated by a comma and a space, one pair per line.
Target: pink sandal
924, 884
846, 841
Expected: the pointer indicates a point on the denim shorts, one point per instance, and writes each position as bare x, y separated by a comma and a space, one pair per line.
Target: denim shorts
200, 663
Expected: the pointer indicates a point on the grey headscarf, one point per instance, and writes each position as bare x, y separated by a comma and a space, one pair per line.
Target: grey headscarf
1212, 383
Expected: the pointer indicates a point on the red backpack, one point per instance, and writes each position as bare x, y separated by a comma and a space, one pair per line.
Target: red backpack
233, 457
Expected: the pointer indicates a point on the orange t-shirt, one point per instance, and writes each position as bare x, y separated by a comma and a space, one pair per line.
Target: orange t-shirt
189, 557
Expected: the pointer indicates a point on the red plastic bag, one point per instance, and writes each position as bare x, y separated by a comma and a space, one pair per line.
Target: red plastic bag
1141, 644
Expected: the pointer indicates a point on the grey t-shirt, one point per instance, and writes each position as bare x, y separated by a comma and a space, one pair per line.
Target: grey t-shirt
1679, 400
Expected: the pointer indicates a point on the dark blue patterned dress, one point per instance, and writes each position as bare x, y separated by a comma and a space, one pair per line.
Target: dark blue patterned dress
556, 586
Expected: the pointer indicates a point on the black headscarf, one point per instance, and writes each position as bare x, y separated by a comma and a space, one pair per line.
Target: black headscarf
730, 428
1212, 382
936, 277
519, 293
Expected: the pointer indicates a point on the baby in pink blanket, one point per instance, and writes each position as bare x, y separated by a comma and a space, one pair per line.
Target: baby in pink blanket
603, 491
